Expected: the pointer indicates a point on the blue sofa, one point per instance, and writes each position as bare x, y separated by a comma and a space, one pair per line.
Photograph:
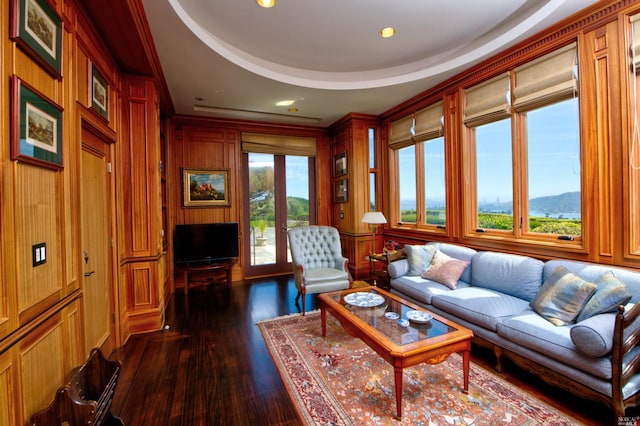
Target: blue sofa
596, 358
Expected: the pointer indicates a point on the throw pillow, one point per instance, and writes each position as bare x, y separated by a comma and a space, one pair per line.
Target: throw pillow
562, 297
610, 293
445, 269
419, 258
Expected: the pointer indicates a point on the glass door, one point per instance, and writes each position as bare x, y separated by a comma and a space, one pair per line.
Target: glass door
279, 195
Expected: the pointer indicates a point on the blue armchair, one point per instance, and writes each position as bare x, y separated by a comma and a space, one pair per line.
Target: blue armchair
318, 264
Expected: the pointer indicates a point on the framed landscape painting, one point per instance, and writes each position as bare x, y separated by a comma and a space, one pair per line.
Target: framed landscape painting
36, 127
340, 167
206, 187
340, 190
37, 29
99, 93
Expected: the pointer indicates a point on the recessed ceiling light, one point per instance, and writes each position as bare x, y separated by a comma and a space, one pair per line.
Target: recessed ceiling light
293, 109
286, 102
266, 3
387, 32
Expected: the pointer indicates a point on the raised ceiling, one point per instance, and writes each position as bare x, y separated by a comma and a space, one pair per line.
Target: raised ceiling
234, 59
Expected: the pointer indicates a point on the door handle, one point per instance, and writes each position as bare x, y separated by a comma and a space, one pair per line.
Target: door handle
88, 274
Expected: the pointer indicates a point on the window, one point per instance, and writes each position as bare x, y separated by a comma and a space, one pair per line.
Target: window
553, 165
434, 183
407, 184
633, 148
373, 170
419, 146
524, 151
494, 181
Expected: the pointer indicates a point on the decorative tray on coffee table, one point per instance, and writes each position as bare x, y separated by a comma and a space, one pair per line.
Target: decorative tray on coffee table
363, 299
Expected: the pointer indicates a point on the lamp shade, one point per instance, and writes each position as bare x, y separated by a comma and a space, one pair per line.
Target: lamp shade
374, 218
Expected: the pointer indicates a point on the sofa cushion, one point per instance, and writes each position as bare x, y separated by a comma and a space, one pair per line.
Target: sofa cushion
610, 293
445, 269
419, 258
479, 306
519, 276
562, 296
594, 335
420, 289
533, 332
313, 276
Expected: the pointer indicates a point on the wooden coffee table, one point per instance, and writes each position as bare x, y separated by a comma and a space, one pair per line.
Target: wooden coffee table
430, 342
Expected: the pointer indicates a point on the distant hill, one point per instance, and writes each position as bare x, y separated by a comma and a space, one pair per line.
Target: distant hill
553, 205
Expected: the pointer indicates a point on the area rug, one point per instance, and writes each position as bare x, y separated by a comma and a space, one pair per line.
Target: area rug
341, 381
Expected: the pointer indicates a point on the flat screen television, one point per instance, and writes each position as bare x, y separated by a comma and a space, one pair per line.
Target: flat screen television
205, 243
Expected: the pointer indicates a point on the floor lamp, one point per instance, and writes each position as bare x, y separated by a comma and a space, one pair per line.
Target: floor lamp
375, 219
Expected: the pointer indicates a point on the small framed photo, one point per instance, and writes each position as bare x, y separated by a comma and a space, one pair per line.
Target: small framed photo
37, 29
99, 93
340, 192
36, 127
206, 187
340, 168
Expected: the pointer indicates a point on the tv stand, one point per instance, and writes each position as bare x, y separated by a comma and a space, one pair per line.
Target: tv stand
224, 266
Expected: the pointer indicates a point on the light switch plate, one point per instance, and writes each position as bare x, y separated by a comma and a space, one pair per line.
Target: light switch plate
39, 253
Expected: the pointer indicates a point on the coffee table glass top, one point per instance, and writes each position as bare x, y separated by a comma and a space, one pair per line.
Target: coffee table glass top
386, 314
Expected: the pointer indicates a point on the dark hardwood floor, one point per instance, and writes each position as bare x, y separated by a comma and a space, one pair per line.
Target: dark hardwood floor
210, 366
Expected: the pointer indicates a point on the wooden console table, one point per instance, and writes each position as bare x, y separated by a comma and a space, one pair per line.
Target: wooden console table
214, 267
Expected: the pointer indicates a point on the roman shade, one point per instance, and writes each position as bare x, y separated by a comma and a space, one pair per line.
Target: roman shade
428, 123
278, 144
418, 127
546, 80
401, 132
487, 102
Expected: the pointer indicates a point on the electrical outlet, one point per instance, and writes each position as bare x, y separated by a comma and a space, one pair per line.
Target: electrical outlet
39, 253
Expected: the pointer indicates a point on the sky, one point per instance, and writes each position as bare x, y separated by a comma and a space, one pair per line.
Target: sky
297, 169
553, 153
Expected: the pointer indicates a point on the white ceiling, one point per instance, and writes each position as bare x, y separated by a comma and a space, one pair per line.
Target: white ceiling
234, 59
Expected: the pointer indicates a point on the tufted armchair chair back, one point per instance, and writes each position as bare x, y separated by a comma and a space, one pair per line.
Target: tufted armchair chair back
318, 264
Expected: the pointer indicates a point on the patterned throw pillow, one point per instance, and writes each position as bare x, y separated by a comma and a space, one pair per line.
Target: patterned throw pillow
419, 258
610, 293
445, 269
562, 297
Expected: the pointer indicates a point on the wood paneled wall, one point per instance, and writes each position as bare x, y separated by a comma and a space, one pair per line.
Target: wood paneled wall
350, 135
41, 309
214, 143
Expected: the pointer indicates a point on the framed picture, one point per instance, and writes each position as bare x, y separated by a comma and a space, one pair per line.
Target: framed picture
340, 164
36, 127
37, 29
206, 187
99, 93
341, 190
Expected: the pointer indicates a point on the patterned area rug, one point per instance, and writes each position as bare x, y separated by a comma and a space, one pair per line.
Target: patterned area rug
341, 381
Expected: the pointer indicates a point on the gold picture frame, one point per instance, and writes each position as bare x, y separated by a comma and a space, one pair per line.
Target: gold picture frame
203, 187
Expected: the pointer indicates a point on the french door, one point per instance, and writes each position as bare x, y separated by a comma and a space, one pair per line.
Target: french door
279, 194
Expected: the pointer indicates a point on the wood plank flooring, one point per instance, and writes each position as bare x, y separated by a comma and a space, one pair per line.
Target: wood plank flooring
212, 367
